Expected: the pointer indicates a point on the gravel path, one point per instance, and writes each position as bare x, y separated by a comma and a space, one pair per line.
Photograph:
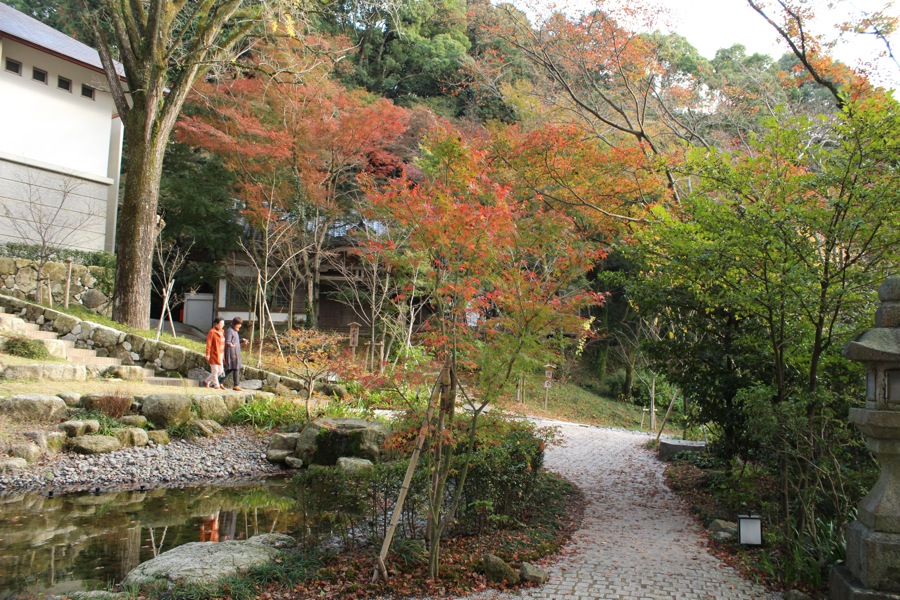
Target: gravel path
637, 540
237, 454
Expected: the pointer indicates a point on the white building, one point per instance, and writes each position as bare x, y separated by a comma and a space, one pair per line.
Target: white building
60, 139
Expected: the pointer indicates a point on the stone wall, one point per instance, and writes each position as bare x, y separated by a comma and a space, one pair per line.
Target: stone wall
18, 278
131, 349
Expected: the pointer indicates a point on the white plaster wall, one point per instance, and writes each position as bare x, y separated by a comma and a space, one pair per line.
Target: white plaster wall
43, 123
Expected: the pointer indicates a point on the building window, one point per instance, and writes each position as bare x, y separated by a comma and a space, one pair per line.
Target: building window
39, 75
64, 84
13, 66
87, 91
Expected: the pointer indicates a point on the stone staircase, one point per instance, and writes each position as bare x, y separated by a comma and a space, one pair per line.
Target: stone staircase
60, 348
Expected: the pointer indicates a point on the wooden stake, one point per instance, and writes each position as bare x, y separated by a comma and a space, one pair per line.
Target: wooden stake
668, 412
380, 568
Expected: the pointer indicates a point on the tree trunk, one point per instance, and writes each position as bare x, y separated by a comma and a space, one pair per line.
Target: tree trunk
136, 233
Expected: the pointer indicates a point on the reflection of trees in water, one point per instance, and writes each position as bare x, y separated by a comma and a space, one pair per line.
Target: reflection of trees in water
70, 543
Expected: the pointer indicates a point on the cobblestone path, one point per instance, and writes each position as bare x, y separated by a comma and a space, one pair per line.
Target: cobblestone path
637, 540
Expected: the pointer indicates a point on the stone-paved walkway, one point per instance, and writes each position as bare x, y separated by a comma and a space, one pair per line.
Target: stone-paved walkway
637, 540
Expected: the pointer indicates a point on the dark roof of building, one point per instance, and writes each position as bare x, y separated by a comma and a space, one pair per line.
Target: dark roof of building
31, 32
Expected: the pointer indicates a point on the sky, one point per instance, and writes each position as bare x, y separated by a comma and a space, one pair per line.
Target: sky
712, 24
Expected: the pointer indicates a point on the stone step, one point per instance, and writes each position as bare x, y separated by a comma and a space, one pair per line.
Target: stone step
95, 361
42, 335
81, 352
172, 381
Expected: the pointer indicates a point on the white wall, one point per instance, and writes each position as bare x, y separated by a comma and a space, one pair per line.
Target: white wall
43, 123
57, 144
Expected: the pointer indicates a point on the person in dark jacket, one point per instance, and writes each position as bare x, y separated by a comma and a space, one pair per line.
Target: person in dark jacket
233, 343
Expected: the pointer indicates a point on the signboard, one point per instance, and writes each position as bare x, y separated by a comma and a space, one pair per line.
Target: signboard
354, 335
547, 384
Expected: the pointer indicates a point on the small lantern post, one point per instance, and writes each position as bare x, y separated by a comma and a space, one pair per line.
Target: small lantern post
548, 374
354, 338
872, 569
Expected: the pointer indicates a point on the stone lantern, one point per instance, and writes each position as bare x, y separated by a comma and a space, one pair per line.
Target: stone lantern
872, 569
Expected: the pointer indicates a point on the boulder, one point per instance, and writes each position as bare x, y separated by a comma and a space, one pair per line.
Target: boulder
284, 441
235, 400
26, 372
65, 372
106, 337
134, 421
125, 372
252, 384
497, 571
9, 465
278, 456
72, 428
323, 441
70, 398
30, 451
532, 574
95, 444
293, 462
132, 436
93, 298
173, 358
354, 465
48, 441
211, 407
722, 526
198, 374
166, 410
206, 427
30, 408
64, 324
91, 426
202, 563
160, 438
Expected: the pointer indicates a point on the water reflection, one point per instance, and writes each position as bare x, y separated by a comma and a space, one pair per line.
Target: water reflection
65, 544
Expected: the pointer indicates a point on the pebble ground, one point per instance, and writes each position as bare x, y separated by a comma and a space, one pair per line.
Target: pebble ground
638, 540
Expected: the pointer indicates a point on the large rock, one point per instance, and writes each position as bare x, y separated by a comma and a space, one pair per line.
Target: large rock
532, 574
173, 357
8, 464
134, 421
32, 408
211, 407
48, 441
497, 571
92, 299
106, 337
160, 438
132, 436
284, 441
73, 428
323, 441
30, 451
125, 372
354, 465
203, 563
95, 444
64, 324
206, 427
70, 398
166, 410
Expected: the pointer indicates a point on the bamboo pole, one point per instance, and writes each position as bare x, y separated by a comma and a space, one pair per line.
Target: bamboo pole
380, 568
668, 412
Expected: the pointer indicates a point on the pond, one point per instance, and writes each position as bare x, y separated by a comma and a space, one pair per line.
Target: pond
79, 542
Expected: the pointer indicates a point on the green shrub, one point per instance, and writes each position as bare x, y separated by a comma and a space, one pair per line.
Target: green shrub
26, 348
268, 413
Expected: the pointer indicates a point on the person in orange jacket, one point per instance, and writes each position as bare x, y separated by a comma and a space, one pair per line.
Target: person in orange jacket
215, 353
